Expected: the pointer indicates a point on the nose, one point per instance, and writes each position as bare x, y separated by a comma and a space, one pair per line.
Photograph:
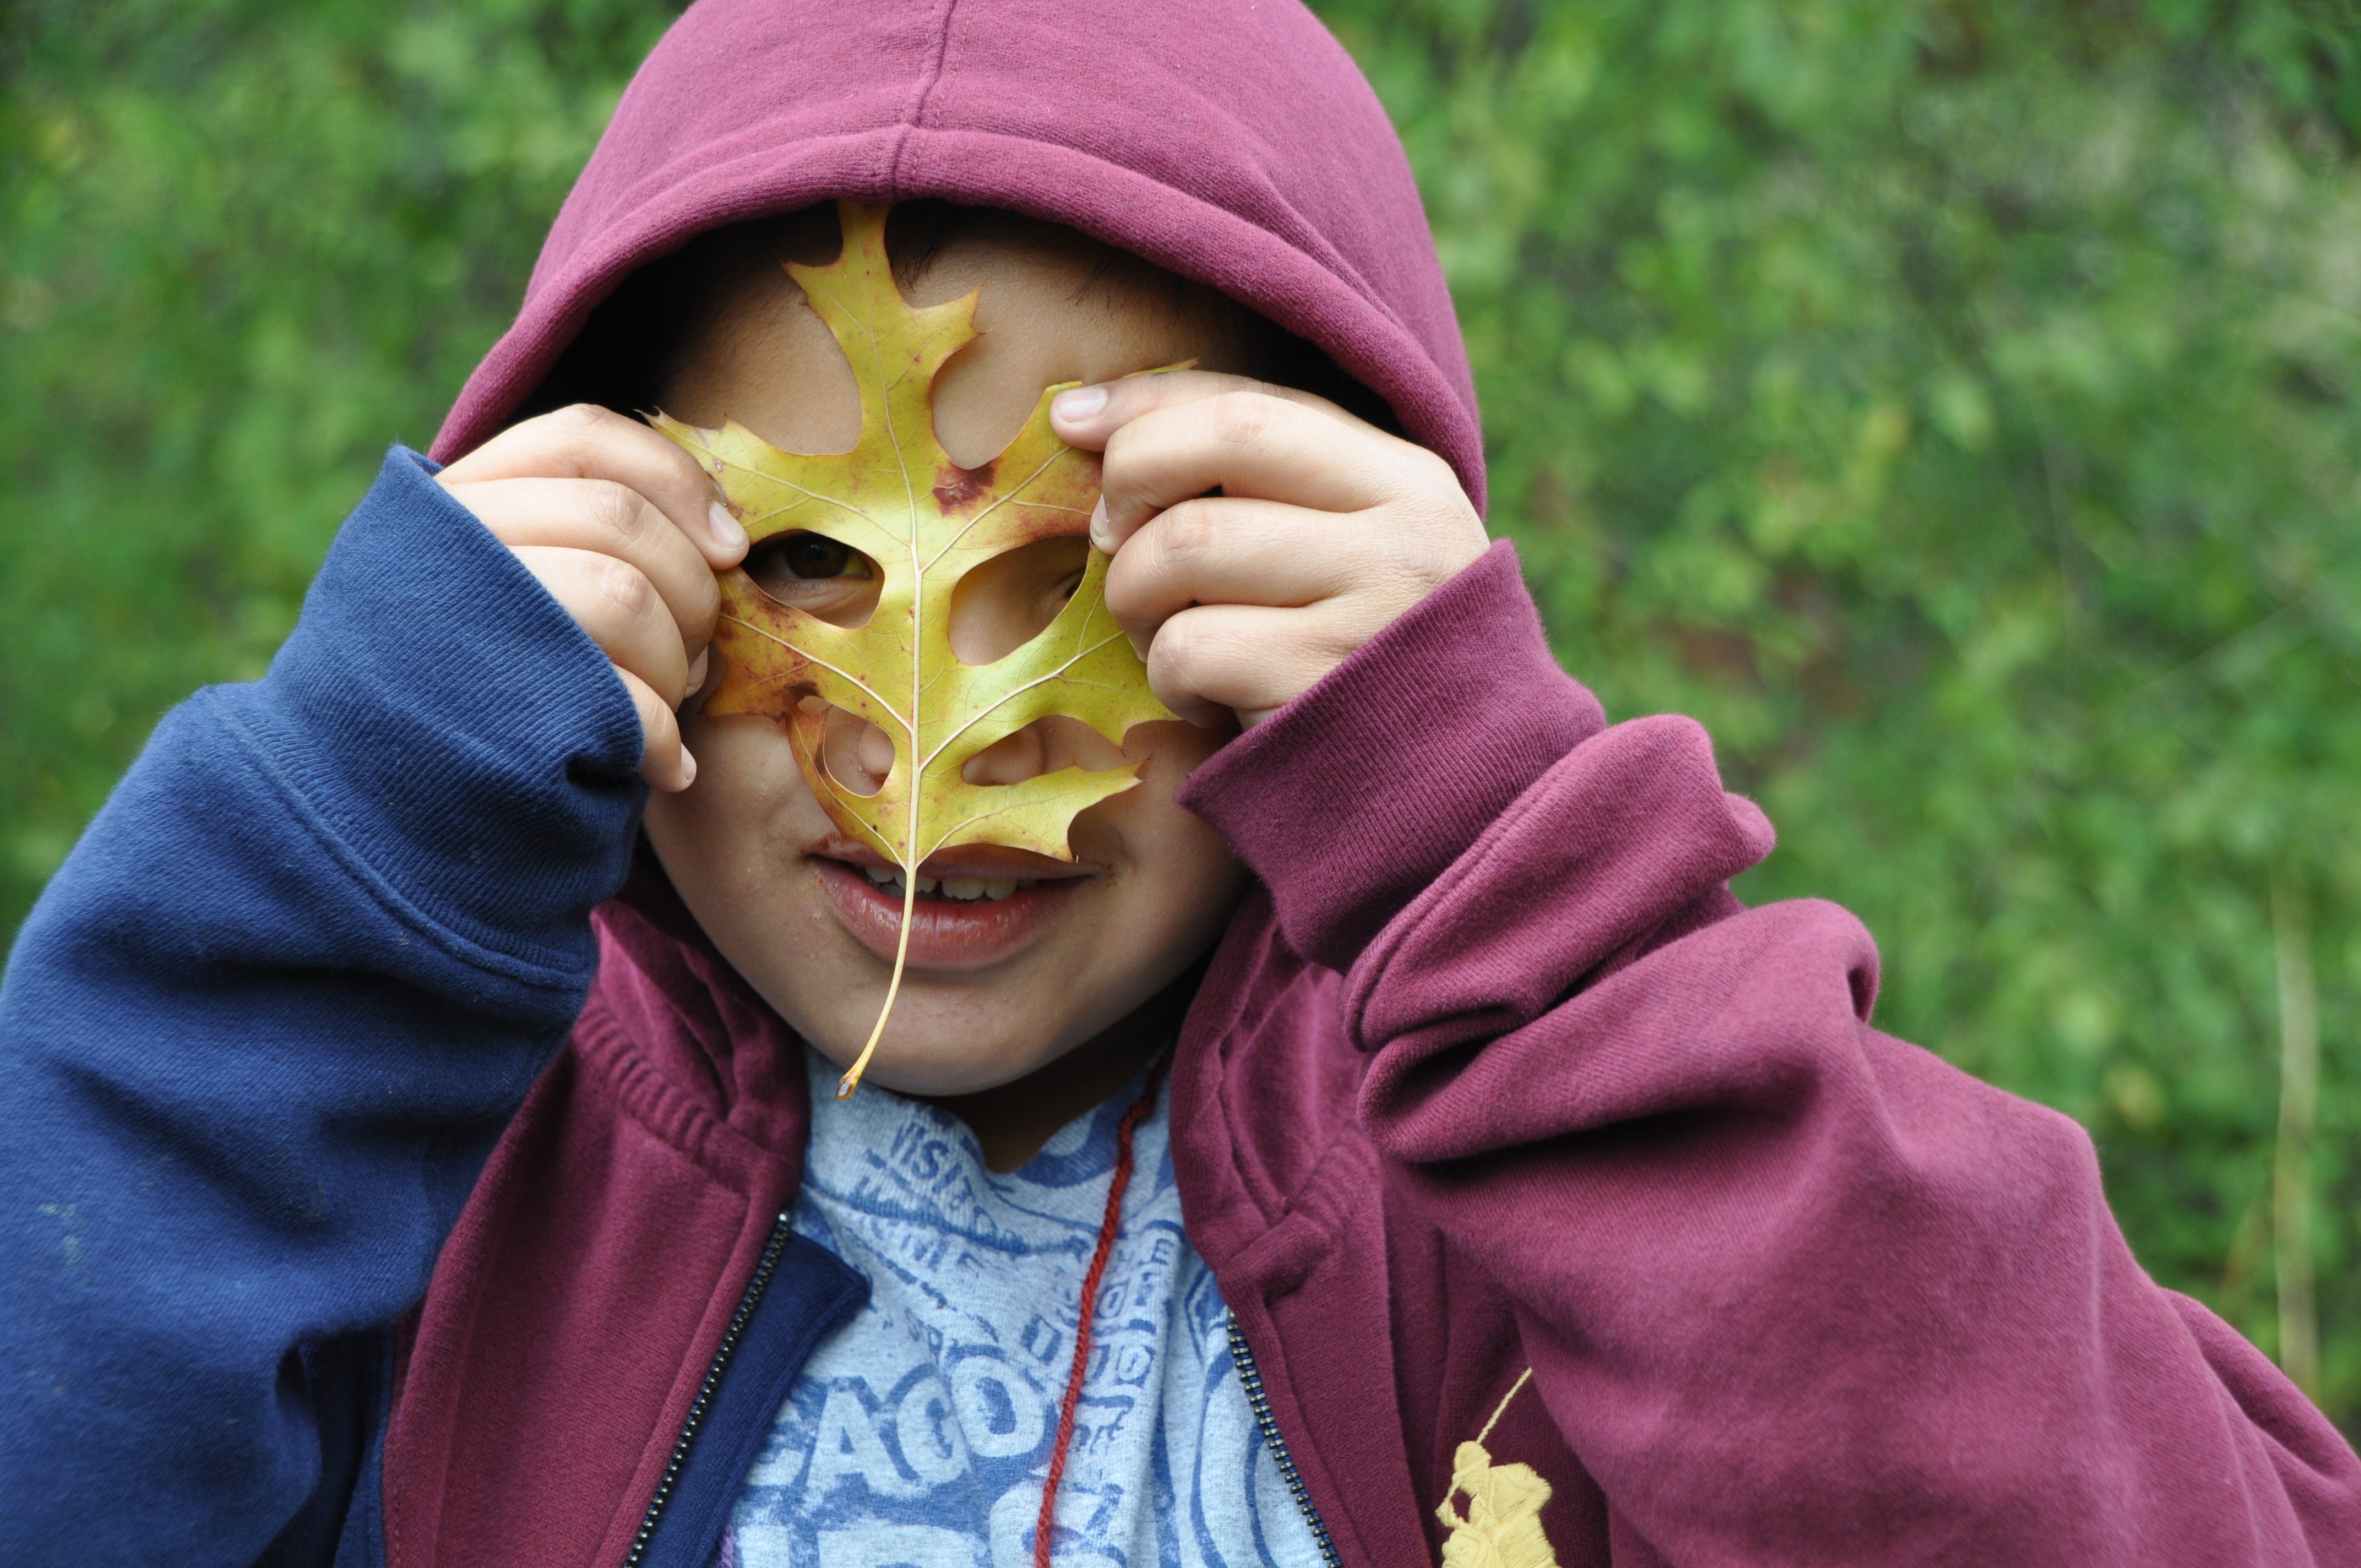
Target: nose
1011, 760
856, 753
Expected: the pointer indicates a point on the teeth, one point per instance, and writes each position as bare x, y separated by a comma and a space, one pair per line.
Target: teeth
966, 889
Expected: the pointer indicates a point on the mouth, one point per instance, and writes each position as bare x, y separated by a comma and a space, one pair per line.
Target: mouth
964, 890
975, 906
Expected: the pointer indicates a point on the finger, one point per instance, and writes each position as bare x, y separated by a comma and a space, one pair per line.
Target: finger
604, 518
1249, 660
615, 603
586, 442
1217, 550
664, 761
1087, 416
1250, 444
704, 679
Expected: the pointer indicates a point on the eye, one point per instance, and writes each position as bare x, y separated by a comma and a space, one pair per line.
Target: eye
817, 575
806, 558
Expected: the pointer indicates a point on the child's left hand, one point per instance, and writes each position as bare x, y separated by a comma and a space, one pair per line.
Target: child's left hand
1323, 530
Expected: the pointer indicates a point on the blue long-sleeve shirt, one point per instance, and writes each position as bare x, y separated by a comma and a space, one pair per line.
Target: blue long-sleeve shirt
261, 1031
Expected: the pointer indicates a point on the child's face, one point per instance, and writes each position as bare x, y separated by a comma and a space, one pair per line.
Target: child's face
996, 987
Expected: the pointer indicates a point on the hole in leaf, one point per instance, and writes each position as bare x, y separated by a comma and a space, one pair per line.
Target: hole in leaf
817, 575
1006, 603
855, 752
1043, 746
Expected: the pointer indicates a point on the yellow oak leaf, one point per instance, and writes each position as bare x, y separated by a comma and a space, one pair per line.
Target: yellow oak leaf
899, 500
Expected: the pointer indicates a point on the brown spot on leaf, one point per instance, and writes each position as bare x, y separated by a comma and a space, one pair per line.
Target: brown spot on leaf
958, 490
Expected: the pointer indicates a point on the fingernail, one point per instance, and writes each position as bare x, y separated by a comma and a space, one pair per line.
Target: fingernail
688, 768
726, 532
1102, 536
1081, 402
697, 675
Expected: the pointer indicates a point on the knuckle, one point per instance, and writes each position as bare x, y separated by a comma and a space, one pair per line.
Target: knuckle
1240, 419
619, 510
627, 588
577, 429
1185, 535
1178, 650
1170, 653
1440, 478
1413, 538
1429, 522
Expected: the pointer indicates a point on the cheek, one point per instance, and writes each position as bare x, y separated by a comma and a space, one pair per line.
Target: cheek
1182, 878
726, 840
1173, 749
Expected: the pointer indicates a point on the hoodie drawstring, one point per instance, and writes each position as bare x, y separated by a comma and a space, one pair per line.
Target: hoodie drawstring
1046, 1527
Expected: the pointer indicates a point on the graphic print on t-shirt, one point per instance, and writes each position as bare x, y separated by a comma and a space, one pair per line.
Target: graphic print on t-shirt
919, 1433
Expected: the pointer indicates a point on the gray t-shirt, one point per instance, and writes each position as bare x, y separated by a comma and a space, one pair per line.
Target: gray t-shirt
919, 1433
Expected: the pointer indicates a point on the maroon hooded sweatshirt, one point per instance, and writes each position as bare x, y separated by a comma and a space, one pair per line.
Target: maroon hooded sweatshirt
1490, 1071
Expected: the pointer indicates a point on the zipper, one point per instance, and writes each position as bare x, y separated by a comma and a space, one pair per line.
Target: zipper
1250, 1380
763, 1268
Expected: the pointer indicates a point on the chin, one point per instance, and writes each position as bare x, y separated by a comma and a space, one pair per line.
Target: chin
931, 1071
957, 1033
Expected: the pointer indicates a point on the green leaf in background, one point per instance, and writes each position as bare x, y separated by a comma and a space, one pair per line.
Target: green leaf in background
1953, 405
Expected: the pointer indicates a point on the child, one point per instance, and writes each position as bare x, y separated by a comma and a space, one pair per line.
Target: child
1428, 1155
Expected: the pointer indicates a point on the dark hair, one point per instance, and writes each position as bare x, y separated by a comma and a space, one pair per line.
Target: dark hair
631, 349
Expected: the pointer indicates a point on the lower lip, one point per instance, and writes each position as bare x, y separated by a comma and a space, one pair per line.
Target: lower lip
952, 934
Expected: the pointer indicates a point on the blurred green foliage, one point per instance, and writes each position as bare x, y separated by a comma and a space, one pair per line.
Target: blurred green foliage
1953, 404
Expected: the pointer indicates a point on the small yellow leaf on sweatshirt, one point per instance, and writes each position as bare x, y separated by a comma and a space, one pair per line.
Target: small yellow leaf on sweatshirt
1502, 1526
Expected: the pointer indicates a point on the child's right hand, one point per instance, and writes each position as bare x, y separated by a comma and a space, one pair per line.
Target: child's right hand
623, 529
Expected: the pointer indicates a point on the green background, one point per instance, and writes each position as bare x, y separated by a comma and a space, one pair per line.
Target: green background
1951, 405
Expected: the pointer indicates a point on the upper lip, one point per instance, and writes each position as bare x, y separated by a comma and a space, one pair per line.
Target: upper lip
979, 862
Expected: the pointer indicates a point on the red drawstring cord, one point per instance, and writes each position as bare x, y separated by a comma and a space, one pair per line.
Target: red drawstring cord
1047, 1526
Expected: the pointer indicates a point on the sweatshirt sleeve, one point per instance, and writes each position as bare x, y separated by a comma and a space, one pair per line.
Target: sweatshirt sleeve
1795, 1290
259, 1034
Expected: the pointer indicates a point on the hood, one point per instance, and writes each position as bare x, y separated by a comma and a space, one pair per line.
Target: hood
1230, 141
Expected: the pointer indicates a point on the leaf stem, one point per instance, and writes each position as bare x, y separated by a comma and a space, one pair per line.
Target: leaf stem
851, 1080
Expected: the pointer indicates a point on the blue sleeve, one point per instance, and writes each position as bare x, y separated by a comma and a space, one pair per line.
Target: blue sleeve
261, 1032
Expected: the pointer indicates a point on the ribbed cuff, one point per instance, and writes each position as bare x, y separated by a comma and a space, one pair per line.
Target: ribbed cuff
1352, 798
453, 726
